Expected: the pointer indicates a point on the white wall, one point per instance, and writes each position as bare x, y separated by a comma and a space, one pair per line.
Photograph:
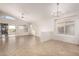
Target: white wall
44, 29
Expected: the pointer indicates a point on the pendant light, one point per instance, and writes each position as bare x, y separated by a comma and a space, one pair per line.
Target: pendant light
57, 10
22, 16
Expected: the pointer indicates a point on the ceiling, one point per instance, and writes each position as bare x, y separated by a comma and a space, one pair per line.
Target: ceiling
37, 12
32, 12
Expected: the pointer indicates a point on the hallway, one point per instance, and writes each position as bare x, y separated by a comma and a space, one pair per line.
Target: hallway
32, 46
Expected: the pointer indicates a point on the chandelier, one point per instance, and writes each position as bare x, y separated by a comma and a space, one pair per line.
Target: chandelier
57, 9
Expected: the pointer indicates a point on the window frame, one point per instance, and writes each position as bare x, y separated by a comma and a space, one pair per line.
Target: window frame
64, 23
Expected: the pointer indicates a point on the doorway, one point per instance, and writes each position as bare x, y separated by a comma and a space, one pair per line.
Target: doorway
3, 30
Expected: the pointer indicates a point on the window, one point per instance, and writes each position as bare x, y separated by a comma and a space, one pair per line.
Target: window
21, 27
65, 27
11, 28
69, 29
61, 30
7, 17
24, 27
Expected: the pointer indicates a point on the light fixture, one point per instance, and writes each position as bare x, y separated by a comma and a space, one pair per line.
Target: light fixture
22, 16
57, 9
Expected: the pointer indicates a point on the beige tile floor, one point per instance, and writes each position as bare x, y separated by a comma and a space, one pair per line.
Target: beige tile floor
32, 46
